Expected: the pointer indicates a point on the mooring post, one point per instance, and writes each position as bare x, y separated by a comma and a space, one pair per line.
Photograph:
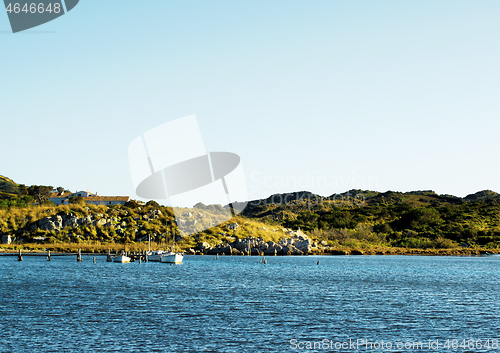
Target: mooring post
94, 259
217, 257
79, 255
48, 256
20, 256
108, 258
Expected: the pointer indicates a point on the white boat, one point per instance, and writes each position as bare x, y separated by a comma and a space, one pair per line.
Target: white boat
171, 257
155, 255
121, 258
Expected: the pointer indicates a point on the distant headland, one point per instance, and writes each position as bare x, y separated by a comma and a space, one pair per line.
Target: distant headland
298, 223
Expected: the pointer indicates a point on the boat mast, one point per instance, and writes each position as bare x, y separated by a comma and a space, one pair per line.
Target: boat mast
173, 241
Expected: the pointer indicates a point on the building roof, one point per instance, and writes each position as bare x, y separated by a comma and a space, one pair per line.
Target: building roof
56, 195
107, 198
91, 197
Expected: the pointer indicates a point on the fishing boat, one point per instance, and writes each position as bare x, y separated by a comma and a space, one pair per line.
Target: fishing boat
172, 257
121, 258
154, 255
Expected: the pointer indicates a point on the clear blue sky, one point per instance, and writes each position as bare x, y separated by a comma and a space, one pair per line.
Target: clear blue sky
313, 95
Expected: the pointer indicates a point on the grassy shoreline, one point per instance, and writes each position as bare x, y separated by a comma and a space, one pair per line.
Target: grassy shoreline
102, 248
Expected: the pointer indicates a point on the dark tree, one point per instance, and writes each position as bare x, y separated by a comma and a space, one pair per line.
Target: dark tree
76, 200
23, 190
40, 193
153, 203
131, 204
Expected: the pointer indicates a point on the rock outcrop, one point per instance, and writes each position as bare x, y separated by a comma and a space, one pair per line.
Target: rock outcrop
51, 223
298, 244
233, 226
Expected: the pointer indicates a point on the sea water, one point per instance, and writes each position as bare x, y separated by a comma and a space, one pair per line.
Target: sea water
242, 304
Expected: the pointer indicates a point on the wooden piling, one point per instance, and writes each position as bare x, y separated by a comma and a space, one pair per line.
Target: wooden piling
48, 256
94, 259
79, 255
20, 256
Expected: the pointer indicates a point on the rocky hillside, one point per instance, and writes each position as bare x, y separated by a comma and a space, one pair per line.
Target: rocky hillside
290, 243
295, 223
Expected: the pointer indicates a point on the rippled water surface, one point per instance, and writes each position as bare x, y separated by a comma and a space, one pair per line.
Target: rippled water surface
237, 304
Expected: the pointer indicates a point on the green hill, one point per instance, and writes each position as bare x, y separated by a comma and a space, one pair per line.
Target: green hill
355, 219
417, 219
8, 187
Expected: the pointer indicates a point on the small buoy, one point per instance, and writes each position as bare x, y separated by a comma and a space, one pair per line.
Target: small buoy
295, 266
